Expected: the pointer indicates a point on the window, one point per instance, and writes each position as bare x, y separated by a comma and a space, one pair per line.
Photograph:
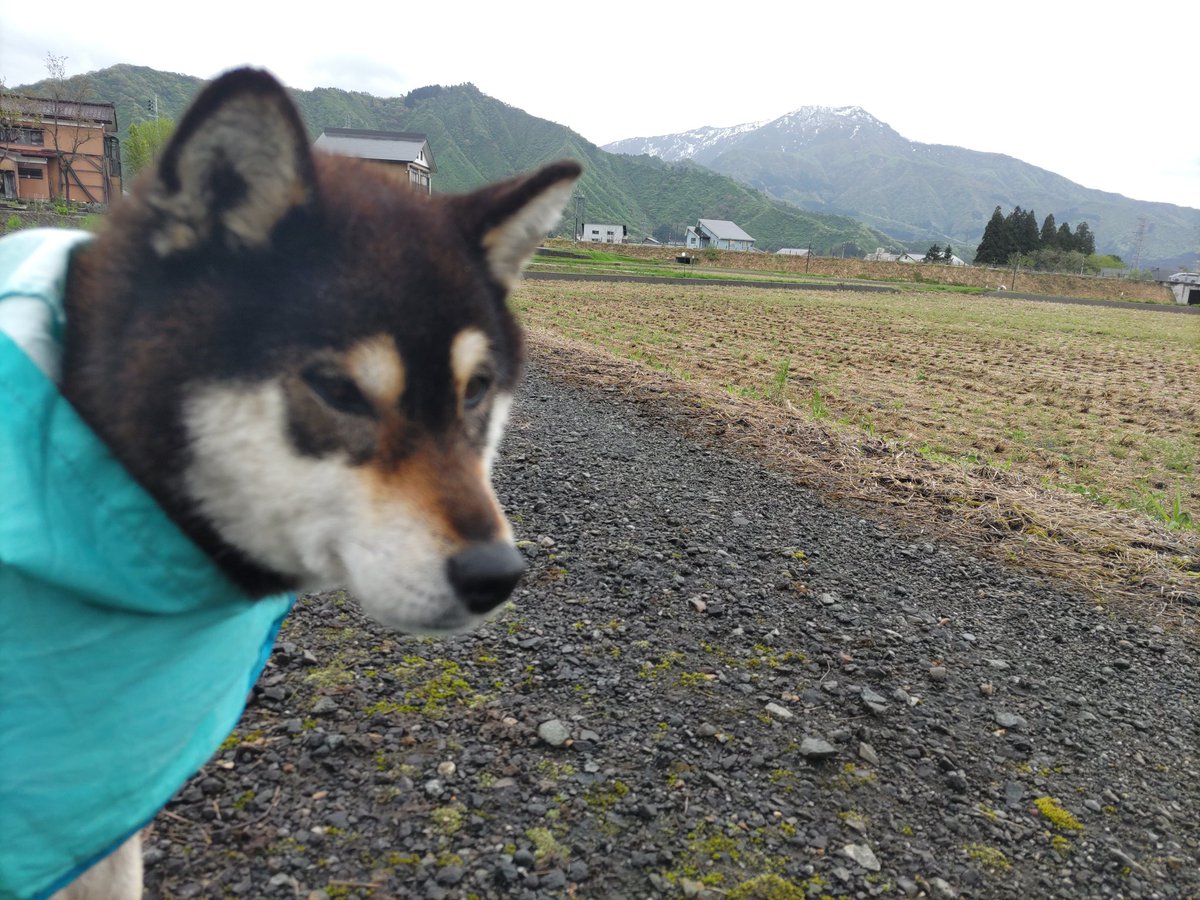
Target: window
12, 134
33, 173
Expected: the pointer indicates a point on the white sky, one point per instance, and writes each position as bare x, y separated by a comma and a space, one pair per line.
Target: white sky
1102, 94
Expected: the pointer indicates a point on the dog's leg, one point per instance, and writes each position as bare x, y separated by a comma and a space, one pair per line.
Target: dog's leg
116, 877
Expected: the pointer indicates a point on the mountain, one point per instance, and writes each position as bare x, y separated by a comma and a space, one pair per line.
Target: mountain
476, 138
845, 161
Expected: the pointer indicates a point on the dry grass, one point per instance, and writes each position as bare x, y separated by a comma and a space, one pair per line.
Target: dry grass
1060, 438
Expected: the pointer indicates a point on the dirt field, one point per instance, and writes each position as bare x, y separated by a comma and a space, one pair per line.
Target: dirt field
1090, 415
968, 276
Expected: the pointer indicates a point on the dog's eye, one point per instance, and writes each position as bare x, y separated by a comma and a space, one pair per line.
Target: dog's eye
476, 390
337, 391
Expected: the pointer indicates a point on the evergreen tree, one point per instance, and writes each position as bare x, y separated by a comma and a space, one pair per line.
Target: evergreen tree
1026, 237
933, 254
947, 254
1049, 236
1066, 240
992, 249
1085, 241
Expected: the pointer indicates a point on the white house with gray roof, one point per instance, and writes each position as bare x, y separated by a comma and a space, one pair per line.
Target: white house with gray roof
718, 233
406, 150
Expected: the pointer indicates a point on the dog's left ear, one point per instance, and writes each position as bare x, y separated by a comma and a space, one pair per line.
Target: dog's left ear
509, 219
237, 166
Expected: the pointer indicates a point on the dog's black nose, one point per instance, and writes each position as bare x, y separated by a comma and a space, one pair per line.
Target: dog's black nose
485, 574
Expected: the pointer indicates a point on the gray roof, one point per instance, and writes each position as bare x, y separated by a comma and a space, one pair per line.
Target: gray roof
389, 146
724, 230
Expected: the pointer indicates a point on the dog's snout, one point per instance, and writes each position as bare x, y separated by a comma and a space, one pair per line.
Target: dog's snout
484, 575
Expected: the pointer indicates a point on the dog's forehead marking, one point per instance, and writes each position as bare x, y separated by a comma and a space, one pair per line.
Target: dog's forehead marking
378, 368
468, 351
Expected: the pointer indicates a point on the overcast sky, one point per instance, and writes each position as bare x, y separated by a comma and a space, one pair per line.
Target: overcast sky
1104, 95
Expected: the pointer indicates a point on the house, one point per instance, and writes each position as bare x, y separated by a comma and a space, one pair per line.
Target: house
793, 251
603, 234
55, 149
718, 233
407, 151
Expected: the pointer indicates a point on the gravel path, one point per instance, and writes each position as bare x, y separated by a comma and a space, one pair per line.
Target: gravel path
709, 684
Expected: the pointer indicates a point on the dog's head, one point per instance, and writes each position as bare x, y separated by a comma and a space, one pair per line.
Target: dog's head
309, 363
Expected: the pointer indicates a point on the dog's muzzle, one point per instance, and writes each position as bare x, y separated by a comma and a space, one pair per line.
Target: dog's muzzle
483, 575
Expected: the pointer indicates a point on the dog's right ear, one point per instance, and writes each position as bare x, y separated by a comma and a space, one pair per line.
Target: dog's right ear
237, 166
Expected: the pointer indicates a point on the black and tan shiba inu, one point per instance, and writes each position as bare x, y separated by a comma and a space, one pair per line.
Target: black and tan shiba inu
308, 366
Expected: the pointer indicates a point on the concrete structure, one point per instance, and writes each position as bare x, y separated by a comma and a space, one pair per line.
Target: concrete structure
718, 233
1185, 287
55, 149
603, 234
407, 151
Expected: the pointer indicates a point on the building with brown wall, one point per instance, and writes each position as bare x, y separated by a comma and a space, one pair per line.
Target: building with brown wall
54, 149
406, 152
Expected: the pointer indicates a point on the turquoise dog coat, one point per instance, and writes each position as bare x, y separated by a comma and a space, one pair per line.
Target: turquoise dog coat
126, 656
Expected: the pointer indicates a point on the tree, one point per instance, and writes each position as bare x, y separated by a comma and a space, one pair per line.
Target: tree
1065, 240
1085, 241
933, 254
1021, 228
65, 97
993, 248
146, 140
1049, 234
947, 254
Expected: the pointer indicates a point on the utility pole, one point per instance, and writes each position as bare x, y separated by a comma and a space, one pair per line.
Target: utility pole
1139, 238
579, 213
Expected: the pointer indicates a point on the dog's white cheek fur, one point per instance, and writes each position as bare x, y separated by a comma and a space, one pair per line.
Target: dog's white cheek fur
313, 519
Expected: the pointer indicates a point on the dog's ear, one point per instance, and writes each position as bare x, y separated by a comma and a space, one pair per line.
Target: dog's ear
509, 219
237, 166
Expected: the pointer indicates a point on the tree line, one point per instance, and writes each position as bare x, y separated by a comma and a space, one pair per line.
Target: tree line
1018, 235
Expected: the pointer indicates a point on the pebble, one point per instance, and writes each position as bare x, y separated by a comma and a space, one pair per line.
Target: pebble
779, 712
863, 855
816, 748
554, 732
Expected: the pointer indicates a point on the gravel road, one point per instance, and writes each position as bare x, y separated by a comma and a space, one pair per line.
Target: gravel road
709, 684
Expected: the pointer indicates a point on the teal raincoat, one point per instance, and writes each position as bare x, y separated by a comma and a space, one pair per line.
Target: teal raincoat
126, 656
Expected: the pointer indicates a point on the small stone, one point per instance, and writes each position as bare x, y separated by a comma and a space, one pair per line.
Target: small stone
938, 673
816, 748
863, 855
446, 769
779, 712
324, 706
554, 732
986, 688
698, 605
942, 888
867, 753
1010, 720
869, 696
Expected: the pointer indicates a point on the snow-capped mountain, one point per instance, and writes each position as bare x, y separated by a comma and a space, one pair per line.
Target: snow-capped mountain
844, 161
790, 132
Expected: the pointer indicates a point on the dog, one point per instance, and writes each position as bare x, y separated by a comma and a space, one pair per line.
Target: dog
280, 371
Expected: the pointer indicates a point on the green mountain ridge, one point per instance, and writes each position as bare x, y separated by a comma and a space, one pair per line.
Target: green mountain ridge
476, 139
